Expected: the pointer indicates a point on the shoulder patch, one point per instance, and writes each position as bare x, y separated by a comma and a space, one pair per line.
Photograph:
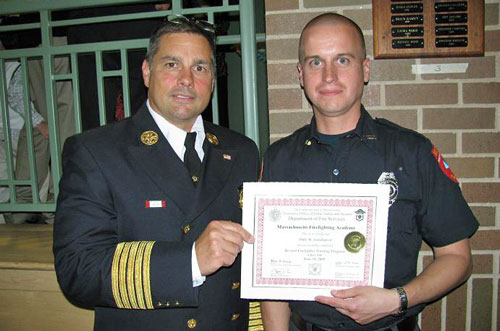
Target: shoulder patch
443, 165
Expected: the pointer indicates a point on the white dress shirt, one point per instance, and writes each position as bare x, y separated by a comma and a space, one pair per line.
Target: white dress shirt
176, 137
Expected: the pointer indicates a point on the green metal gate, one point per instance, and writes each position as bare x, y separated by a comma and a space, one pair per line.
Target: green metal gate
47, 52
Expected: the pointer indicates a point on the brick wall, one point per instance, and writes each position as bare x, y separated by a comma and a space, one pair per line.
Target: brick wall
460, 113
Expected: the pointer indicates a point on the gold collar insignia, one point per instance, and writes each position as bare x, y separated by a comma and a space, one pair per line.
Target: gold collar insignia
212, 139
149, 138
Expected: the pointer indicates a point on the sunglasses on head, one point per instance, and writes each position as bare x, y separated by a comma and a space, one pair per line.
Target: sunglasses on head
200, 24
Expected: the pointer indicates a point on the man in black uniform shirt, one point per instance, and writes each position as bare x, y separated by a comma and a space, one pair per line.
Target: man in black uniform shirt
344, 144
147, 228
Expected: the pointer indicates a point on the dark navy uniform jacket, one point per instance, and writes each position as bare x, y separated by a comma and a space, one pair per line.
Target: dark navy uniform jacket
429, 204
127, 216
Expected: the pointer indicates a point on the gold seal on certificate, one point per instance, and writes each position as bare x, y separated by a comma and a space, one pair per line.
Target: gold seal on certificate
311, 238
354, 242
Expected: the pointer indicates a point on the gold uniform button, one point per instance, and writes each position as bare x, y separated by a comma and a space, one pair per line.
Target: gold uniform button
191, 323
235, 285
195, 179
166, 304
235, 317
186, 229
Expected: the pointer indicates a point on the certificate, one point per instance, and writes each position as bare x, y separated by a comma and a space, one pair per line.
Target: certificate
311, 238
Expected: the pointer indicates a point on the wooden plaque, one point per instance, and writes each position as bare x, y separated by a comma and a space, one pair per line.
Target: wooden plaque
427, 28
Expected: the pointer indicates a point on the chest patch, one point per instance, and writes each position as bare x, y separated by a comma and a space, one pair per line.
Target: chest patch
443, 165
388, 178
156, 204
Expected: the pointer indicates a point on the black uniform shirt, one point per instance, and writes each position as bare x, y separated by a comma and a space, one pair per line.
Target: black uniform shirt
429, 204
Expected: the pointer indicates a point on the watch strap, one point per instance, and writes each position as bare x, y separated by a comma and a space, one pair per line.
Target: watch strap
403, 297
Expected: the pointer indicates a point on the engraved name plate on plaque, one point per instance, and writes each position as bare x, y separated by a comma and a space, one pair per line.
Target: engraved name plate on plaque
450, 6
407, 8
452, 30
451, 42
407, 20
407, 32
408, 43
451, 18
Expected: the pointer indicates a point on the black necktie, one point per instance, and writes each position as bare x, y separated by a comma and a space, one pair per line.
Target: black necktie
191, 158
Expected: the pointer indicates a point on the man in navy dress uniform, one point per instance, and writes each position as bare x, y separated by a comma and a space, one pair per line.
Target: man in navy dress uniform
147, 228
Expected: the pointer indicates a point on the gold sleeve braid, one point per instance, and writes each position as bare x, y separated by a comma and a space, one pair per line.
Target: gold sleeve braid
145, 275
138, 275
255, 317
122, 276
130, 277
114, 275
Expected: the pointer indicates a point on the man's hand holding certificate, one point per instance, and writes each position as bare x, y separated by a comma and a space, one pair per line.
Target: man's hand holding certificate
311, 238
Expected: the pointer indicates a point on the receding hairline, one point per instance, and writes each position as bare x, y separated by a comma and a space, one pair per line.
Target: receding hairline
331, 19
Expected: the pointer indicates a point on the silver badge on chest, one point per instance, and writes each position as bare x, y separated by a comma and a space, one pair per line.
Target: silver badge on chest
388, 178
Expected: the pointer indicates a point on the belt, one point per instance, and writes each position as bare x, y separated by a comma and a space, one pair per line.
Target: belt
408, 324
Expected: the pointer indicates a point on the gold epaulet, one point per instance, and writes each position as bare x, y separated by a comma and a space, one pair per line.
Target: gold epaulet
130, 277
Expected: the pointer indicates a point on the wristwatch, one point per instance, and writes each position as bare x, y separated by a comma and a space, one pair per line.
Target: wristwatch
404, 301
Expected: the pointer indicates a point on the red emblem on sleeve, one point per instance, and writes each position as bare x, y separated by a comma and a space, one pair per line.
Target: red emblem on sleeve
443, 165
